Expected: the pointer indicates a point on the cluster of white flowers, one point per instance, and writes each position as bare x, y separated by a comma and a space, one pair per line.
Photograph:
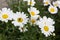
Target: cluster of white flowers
53, 6
20, 19
34, 14
45, 24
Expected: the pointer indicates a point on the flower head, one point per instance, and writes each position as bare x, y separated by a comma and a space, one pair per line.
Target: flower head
20, 19
46, 2
6, 14
33, 20
55, 4
33, 11
31, 2
58, 3
52, 9
46, 25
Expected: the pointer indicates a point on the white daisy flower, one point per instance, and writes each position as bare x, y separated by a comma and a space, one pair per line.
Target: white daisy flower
58, 2
20, 19
46, 2
55, 4
23, 29
6, 14
46, 25
31, 2
33, 20
52, 9
33, 11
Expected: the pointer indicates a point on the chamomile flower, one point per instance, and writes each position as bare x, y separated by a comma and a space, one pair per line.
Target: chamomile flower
33, 20
33, 11
52, 9
31, 2
55, 4
20, 19
6, 14
58, 2
46, 2
23, 29
46, 25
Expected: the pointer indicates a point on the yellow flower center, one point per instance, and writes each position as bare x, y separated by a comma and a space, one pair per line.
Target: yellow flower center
46, 28
30, 3
4, 16
32, 13
20, 20
46, 3
55, 4
33, 21
52, 10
